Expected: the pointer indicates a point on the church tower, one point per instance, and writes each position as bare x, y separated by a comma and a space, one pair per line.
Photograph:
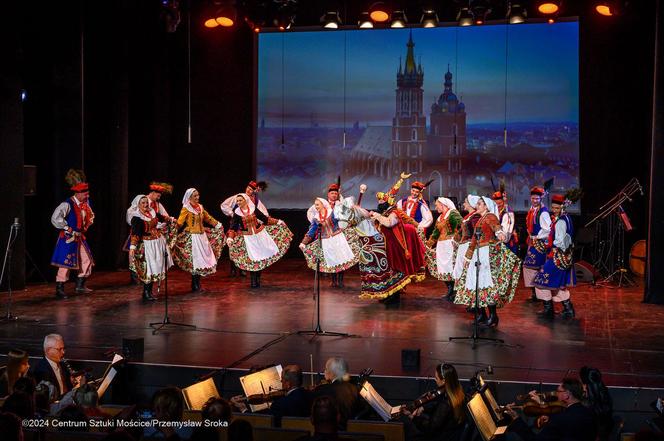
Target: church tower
409, 122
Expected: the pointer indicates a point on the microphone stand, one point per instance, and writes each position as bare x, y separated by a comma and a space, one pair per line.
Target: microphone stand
474, 337
318, 330
166, 321
7, 264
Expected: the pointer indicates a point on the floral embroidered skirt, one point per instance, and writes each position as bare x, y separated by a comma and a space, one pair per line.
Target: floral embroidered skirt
498, 278
198, 253
441, 259
338, 253
148, 261
379, 280
278, 235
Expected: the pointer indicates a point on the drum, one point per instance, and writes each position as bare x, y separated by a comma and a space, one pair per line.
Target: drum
637, 258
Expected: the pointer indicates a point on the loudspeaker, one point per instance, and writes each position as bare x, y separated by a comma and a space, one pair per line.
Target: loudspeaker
410, 358
132, 349
585, 272
29, 180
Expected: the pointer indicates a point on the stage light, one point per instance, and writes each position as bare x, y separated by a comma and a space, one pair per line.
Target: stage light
399, 20
365, 21
608, 8
331, 20
285, 17
429, 18
226, 16
379, 12
465, 17
551, 21
211, 23
480, 10
516, 13
548, 7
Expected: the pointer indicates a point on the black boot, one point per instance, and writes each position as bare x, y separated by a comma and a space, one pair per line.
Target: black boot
196, 283
340, 279
133, 278
547, 312
533, 295
147, 292
254, 283
258, 279
450, 291
482, 318
394, 299
233, 270
493, 316
60, 290
333, 283
568, 309
80, 286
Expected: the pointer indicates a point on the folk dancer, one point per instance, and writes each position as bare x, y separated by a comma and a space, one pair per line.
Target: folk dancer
73, 218
149, 255
554, 279
506, 217
416, 207
230, 204
195, 248
337, 250
538, 225
333, 196
499, 270
443, 242
392, 251
255, 241
467, 227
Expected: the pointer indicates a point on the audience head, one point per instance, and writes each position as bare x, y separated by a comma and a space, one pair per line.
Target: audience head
54, 347
74, 413
240, 430
17, 366
20, 404
336, 368
216, 409
168, 404
570, 391
10, 427
291, 377
324, 415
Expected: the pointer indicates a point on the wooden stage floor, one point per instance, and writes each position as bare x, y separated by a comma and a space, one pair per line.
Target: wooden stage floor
240, 327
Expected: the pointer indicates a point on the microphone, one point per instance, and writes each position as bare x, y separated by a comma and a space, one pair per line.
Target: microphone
17, 224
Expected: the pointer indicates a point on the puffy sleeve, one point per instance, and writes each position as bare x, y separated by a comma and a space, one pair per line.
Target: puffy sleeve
427, 217
508, 225
59, 215
182, 218
311, 233
545, 225
561, 240
137, 230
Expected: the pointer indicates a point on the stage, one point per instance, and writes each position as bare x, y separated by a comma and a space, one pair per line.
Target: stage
240, 327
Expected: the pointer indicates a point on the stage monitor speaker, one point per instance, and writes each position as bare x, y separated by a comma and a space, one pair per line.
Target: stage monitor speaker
410, 358
132, 349
29, 180
585, 272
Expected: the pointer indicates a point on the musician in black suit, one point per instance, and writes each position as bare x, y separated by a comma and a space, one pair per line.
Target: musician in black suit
575, 423
345, 394
51, 368
297, 401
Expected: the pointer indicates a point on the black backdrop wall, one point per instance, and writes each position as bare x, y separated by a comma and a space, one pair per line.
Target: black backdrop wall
108, 91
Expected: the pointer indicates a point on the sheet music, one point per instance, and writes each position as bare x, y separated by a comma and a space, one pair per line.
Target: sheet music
378, 402
482, 417
261, 382
197, 394
109, 375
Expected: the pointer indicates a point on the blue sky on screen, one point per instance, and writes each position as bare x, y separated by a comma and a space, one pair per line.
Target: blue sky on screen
534, 65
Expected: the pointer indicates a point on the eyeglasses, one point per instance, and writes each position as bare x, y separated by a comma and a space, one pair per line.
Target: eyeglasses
60, 349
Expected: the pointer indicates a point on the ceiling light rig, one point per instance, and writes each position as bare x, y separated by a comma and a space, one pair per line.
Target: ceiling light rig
379, 12
365, 21
399, 20
608, 8
331, 20
429, 18
465, 17
516, 13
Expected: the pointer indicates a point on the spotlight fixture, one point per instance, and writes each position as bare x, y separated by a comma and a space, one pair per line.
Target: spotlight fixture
365, 21
516, 13
285, 17
331, 20
548, 7
429, 18
465, 17
608, 8
226, 16
211, 23
379, 13
480, 9
399, 20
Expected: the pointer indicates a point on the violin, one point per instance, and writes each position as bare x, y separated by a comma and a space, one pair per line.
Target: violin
424, 399
542, 403
257, 399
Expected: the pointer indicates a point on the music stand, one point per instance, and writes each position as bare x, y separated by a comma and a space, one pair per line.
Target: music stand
474, 337
318, 330
166, 321
484, 422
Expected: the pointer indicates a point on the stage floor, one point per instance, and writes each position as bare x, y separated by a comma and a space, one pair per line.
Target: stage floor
241, 327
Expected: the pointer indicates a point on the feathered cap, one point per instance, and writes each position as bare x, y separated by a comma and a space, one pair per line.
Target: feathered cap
76, 180
497, 196
417, 184
558, 199
161, 187
392, 192
333, 187
257, 186
537, 191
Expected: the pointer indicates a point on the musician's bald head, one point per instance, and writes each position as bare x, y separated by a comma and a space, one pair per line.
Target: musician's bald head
336, 368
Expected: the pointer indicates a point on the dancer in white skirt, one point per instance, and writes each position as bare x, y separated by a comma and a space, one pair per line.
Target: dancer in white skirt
149, 256
442, 245
337, 250
256, 241
197, 249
